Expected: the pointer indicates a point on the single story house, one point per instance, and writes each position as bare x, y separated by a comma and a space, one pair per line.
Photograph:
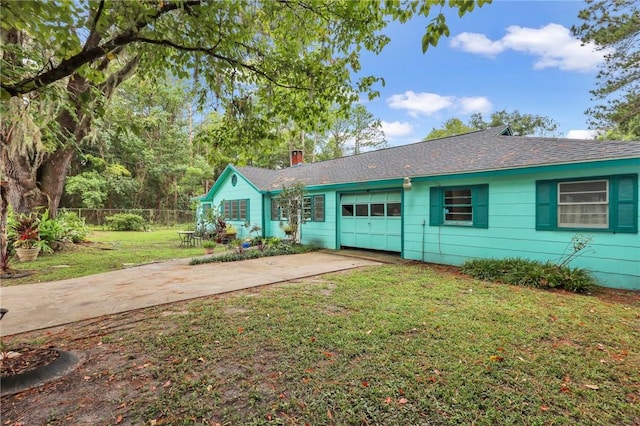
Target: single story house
484, 194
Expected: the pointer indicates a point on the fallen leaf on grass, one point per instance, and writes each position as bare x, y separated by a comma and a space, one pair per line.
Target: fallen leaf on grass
544, 408
496, 358
594, 387
166, 384
388, 400
119, 419
403, 401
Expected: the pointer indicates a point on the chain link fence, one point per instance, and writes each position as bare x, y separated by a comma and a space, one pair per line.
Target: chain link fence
152, 216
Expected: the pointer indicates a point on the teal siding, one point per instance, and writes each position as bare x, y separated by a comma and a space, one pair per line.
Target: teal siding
514, 229
518, 218
322, 234
242, 190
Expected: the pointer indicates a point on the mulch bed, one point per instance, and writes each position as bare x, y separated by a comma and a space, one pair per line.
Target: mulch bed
29, 359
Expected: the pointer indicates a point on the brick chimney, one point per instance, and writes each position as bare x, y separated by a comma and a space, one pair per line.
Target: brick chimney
296, 157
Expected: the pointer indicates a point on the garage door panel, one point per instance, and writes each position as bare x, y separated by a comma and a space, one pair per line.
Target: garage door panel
376, 223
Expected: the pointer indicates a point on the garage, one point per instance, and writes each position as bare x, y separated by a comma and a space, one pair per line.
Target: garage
371, 220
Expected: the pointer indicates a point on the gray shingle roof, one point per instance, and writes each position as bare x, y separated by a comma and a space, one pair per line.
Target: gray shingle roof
484, 150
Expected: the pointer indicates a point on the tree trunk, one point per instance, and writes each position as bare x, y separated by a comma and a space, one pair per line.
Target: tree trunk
37, 180
4, 244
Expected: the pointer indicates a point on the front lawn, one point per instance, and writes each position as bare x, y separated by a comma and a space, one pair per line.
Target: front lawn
102, 252
389, 345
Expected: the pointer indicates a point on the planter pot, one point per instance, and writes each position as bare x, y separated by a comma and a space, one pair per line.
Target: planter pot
27, 254
209, 250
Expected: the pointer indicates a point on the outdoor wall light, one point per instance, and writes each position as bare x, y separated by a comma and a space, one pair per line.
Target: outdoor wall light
407, 184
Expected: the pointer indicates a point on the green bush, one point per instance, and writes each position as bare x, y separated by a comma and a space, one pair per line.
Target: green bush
126, 222
51, 232
530, 273
73, 227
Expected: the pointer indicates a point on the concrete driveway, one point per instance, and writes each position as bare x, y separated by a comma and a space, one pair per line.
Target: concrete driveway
49, 304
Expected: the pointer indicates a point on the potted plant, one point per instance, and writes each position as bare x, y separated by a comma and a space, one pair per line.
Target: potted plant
209, 246
287, 228
231, 232
27, 243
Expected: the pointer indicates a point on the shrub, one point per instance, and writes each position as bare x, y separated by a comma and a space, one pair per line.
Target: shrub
126, 222
281, 249
530, 273
73, 227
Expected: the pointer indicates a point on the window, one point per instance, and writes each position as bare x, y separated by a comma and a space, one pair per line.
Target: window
377, 209
394, 209
347, 210
459, 206
312, 209
583, 204
362, 209
603, 203
318, 208
236, 209
306, 209
276, 210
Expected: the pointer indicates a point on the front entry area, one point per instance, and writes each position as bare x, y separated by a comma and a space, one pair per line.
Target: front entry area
371, 220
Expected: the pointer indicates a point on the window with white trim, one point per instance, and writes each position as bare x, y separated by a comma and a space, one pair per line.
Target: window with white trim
583, 204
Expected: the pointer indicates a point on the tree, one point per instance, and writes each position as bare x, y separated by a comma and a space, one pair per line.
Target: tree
614, 27
69, 56
521, 124
451, 127
352, 132
290, 201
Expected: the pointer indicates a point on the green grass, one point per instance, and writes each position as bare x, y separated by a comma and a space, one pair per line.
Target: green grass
105, 251
390, 345
397, 345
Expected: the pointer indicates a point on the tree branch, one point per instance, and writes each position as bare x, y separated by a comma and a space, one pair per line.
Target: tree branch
211, 52
94, 25
90, 54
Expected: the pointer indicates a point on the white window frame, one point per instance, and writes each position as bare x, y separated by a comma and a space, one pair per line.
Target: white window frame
585, 225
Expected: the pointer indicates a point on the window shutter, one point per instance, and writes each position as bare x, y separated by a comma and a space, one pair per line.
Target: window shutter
624, 201
435, 206
545, 205
480, 200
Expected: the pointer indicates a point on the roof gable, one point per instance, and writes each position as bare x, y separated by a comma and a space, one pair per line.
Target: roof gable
228, 171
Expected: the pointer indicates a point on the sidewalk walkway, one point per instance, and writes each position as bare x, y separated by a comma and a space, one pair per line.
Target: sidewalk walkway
49, 304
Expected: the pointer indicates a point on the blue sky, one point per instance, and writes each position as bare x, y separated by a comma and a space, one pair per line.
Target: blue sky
508, 55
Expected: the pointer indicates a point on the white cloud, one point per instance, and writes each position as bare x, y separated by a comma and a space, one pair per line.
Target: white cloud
477, 43
396, 129
420, 103
426, 104
474, 104
582, 134
553, 46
